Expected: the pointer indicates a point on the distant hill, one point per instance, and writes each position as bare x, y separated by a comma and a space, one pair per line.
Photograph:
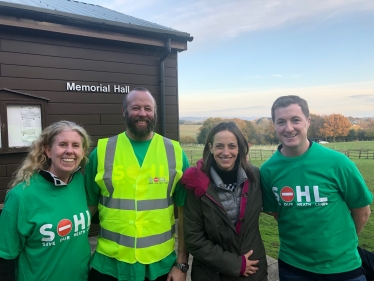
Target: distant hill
202, 119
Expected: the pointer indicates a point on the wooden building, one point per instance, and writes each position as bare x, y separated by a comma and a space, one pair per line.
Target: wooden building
67, 60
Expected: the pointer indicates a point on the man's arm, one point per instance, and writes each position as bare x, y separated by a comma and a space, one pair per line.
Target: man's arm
360, 217
93, 210
182, 250
92, 189
175, 273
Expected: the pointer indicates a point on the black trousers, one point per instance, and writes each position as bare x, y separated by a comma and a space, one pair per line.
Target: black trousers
95, 275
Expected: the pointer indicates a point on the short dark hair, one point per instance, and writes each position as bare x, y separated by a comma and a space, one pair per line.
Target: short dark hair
141, 89
285, 101
208, 157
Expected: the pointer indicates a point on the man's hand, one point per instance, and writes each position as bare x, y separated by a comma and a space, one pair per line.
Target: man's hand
176, 274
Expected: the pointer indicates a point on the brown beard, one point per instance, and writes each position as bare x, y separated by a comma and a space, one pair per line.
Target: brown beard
139, 133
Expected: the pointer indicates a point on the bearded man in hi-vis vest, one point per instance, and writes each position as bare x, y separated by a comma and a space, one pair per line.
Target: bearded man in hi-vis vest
133, 180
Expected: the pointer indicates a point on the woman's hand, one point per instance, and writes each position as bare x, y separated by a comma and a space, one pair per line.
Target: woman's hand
250, 264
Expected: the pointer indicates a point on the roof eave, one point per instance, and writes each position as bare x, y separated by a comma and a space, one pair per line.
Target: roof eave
98, 21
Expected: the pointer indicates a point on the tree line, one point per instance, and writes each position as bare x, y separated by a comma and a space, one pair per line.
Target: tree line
334, 127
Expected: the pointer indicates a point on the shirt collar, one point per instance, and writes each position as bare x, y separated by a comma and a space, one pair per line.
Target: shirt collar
47, 175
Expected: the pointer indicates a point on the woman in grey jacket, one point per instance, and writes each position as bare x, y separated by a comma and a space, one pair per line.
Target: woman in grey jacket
222, 210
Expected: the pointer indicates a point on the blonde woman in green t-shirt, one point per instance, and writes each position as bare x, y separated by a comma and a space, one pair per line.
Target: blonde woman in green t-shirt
45, 221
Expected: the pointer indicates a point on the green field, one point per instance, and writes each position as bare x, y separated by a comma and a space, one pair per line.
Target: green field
268, 226
353, 145
189, 130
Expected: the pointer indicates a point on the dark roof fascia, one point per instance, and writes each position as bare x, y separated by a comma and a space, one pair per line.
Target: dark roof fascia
95, 22
24, 94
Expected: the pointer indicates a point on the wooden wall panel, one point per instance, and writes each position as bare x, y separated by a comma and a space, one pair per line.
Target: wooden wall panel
80, 64
41, 65
14, 46
60, 108
2, 170
79, 119
171, 110
172, 128
171, 119
171, 90
70, 75
106, 130
2, 193
4, 185
11, 158
171, 100
112, 119
11, 168
171, 82
170, 72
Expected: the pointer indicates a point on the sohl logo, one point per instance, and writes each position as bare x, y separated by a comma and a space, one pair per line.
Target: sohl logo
158, 180
303, 197
63, 228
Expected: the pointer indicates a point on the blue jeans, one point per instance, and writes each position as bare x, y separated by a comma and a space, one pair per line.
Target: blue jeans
285, 275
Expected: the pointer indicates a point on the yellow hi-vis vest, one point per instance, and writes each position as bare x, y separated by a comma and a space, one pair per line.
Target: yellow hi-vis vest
136, 207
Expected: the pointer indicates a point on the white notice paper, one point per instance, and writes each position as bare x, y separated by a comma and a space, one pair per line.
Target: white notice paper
24, 124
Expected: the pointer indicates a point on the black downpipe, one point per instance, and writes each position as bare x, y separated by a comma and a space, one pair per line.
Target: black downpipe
161, 113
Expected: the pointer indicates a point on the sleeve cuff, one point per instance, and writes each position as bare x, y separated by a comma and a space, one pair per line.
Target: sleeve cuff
242, 269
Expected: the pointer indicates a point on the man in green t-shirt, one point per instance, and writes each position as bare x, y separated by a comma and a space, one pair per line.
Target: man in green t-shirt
318, 197
133, 180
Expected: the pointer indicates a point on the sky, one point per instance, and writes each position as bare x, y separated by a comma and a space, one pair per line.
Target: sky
247, 53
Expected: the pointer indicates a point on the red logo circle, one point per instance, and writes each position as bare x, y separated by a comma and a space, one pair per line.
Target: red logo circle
155, 179
64, 227
287, 194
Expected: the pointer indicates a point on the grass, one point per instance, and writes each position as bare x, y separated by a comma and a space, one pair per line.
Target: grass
269, 227
353, 145
189, 130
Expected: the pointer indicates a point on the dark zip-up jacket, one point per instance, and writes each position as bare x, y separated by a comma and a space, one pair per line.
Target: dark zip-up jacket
216, 244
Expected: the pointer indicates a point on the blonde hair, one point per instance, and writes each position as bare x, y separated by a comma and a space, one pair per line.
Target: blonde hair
37, 159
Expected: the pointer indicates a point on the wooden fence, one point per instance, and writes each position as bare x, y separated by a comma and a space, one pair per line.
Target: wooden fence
194, 153
264, 154
360, 154
260, 154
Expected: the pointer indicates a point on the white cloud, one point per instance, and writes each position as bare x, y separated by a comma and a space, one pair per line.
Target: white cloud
277, 75
225, 19
222, 19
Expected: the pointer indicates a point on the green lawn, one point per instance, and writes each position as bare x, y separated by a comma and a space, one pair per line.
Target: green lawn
268, 226
189, 130
353, 145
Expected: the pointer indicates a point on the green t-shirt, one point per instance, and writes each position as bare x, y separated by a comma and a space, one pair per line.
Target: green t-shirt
46, 227
313, 194
111, 266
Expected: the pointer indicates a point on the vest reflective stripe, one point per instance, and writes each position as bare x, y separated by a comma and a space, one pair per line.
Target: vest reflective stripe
172, 163
144, 242
109, 158
136, 224
128, 204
